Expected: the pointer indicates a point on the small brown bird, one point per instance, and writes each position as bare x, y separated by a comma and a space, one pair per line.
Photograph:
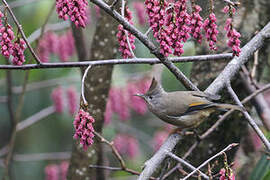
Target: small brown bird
185, 109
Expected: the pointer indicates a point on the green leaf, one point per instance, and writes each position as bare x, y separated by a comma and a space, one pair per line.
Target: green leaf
261, 171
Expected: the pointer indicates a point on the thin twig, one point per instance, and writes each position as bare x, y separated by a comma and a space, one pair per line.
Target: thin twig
182, 161
210, 159
148, 31
106, 167
118, 156
22, 32
82, 88
214, 57
255, 65
126, 32
250, 120
235, 4
12, 122
47, 20
114, 3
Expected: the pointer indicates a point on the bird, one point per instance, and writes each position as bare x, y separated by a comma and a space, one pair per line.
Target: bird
184, 109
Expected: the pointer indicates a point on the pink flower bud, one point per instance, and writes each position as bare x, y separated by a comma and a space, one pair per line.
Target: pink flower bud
211, 31
83, 124
122, 39
75, 9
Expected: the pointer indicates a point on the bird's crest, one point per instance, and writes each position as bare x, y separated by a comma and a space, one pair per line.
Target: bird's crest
154, 87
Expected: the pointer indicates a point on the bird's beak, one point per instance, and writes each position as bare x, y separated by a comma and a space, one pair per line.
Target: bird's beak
140, 95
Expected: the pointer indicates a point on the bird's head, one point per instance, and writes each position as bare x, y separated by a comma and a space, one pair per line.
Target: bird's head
153, 94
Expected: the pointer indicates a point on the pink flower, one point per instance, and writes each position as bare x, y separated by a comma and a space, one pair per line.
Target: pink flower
72, 100
83, 124
66, 46
52, 41
51, 172
233, 36
64, 168
119, 100
126, 144
47, 45
227, 9
6, 40
156, 12
18, 49
57, 99
211, 31
122, 38
159, 139
224, 176
140, 11
73, 9
196, 23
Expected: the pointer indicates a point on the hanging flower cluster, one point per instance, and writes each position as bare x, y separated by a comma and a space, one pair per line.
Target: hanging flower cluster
6, 38
232, 34
8, 47
61, 45
224, 176
83, 124
71, 99
18, 49
124, 37
196, 23
211, 31
56, 172
76, 10
172, 26
121, 100
127, 144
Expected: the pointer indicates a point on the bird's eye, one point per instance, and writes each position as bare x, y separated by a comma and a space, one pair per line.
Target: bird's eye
150, 97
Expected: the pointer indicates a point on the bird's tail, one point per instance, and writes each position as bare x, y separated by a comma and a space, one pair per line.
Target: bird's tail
229, 106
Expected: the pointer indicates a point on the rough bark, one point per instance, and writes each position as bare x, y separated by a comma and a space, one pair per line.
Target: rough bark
97, 86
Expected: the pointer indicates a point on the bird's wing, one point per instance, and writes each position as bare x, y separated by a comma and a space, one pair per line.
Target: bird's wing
205, 95
188, 103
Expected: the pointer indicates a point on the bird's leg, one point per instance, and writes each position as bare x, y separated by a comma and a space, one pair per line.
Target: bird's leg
181, 131
198, 138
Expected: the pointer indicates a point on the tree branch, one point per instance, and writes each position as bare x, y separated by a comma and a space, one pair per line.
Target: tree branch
213, 57
233, 67
227, 74
186, 164
250, 120
210, 159
151, 165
